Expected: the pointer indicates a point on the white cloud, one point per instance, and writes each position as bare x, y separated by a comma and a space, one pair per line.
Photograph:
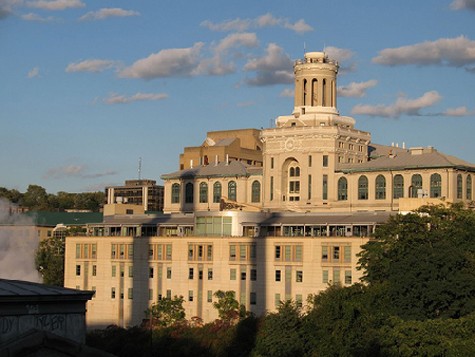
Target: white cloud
344, 58
275, 67
55, 4
288, 92
79, 171
108, 12
121, 99
34, 72
356, 89
165, 63
402, 106
267, 20
35, 17
455, 52
463, 4
91, 65
457, 112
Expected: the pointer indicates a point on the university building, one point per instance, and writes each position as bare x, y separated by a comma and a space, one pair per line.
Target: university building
271, 214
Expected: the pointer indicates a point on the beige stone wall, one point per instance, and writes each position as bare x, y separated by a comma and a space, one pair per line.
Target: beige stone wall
306, 261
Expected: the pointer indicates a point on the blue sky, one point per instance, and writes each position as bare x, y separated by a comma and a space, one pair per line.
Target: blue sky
89, 87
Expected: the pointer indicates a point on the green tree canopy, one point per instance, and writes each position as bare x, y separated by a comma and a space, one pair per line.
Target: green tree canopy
227, 305
167, 312
49, 260
426, 262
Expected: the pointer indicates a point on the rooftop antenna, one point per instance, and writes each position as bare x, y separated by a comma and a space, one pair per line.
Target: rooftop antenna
140, 168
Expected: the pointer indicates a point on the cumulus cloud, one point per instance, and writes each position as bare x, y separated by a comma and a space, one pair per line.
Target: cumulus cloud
275, 67
343, 56
402, 106
108, 12
267, 20
166, 63
34, 72
55, 4
454, 52
356, 89
121, 99
35, 17
220, 63
287, 93
91, 65
79, 171
457, 112
4, 13
463, 4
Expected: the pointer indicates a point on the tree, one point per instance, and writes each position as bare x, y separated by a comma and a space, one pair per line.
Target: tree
227, 306
35, 198
49, 260
280, 334
167, 312
426, 262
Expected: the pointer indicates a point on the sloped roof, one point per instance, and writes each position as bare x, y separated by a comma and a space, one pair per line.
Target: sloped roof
233, 168
384, 158
25, 289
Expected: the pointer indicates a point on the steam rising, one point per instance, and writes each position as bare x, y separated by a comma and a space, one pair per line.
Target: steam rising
18, 243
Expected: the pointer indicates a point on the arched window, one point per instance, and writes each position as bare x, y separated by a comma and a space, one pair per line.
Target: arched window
203, 192
342, 189
398, 186
292, 172
176, 193
380, 187
293, 181
459, 186
363, 188
217, 192
468, 188
232, 190
416, 185
435, 185
189, 192
256, 191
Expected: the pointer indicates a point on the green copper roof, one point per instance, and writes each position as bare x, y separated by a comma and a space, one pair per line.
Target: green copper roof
67, 218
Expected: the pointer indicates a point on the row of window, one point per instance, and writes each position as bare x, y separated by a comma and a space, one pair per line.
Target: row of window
296, 171
415, 188
86, 251
217, 192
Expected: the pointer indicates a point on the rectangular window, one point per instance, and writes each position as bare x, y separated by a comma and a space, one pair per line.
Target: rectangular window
210, 252
78, 251
325, 276
309, 160
94, 251
113, 251
243, 275
277, 300
324, 254
298, 253
112, 293
130, 293
210, 296
113, 271
78, 270
253, 298
130, 251
298, 300
190, 252
309, 187
159, 252
253, 274
232, 274
169, 273
277, 252
150, 294
190, 273
325, 161
131, 271
232, 252
348, 279
169, 252
210, 274
271, 197
299, 276
277, 275
288, 253
169, 294
190, 295
336, 253
121, 271
94, 270
86, 251
325, 187
200, 252
271, 162
347, 254
200, 274
336, 275
94, 289
252, 251
242, 252
150, 272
